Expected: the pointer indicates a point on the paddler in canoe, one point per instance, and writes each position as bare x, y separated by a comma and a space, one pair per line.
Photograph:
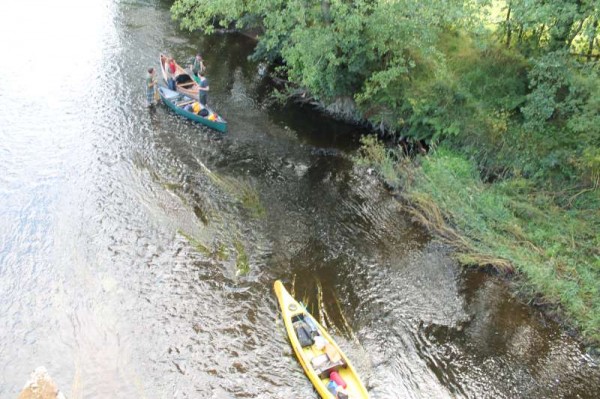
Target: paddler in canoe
177, 78
171, 73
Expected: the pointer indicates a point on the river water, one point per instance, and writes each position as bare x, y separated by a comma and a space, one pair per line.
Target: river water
138, 250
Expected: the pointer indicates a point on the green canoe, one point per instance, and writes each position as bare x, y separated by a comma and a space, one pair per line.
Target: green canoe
178, 102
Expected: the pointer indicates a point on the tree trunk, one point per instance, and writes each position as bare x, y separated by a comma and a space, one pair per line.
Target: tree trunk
592, 38
520, 37
559, 34
508, 29
325, 9
575, 33
542, 28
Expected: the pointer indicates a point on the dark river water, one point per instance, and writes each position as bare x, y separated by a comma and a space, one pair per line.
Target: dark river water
138, 250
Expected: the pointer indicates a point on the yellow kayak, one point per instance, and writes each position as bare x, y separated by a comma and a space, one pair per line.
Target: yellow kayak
319, 355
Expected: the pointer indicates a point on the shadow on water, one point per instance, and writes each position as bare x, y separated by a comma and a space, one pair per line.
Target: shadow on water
138, 249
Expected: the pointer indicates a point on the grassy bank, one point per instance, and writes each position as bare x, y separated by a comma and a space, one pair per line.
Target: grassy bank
510, 225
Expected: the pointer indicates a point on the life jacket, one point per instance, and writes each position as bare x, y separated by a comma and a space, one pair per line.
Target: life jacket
196, 107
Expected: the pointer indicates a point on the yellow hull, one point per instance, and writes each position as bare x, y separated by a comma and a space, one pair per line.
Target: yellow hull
291, 308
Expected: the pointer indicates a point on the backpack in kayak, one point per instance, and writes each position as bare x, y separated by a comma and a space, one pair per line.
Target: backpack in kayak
303, 333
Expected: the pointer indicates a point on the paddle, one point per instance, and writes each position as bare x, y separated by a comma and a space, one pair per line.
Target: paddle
184, 103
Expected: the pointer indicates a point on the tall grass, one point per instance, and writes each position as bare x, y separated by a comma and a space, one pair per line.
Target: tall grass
510, 225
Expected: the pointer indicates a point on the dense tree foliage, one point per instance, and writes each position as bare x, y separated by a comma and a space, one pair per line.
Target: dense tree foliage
358, 48
553, 25
440, 70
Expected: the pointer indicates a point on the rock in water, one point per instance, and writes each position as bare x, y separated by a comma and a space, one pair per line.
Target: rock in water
40, 386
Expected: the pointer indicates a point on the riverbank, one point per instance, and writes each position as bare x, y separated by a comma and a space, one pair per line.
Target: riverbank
518, 219
549, 251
